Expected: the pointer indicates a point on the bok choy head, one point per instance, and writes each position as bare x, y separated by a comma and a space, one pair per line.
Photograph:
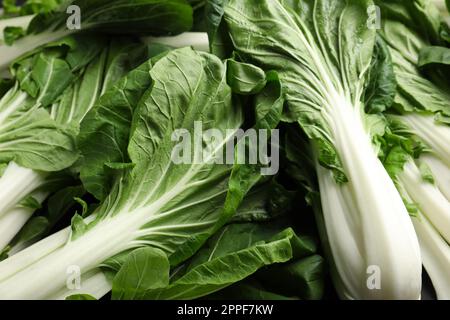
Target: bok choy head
419, 119
322, 51
148, 200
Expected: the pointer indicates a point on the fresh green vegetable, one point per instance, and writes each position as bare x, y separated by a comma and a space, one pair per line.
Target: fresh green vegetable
209, 271
154, 17
40, 116
150, 201
322, 51
112, 150
144, 274
422, 129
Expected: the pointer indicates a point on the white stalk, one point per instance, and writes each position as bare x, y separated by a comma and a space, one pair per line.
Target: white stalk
13, 221
435, 135
109, 237
432, 223
40, 271
17, 183
370, 208
34, 253
93, 283
20, 259
435, 254
441, 173
431, 201
197, 40
341, 223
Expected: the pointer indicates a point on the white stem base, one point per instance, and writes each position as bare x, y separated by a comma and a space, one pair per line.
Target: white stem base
370, 233
94, 283
431, 201
16, 184
13, 221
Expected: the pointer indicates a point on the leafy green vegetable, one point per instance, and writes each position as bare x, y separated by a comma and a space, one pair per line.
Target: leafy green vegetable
153, 202
153, 17
382, 85
434, 55
248, 247
406, 39
219, 40
145, 269
245, 78
302, 278
214, 272
54, 89
421, 173
322, 51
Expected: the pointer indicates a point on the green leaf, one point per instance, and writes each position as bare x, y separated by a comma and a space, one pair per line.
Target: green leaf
213, 13
79, 227
52, 75
419, 16
302, 278
144, 270
11, 34
150, 143
33, 140
69, 75
23, 70
84, 206
244, 78
32, 230
264, 202
3, 167
61, 201
408, 28
30, 202
211, 272
395, 160
153, 17
83, 49
220, 42
382, 85
426, 173
29, 7
434, 55
10, 7
105, 130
